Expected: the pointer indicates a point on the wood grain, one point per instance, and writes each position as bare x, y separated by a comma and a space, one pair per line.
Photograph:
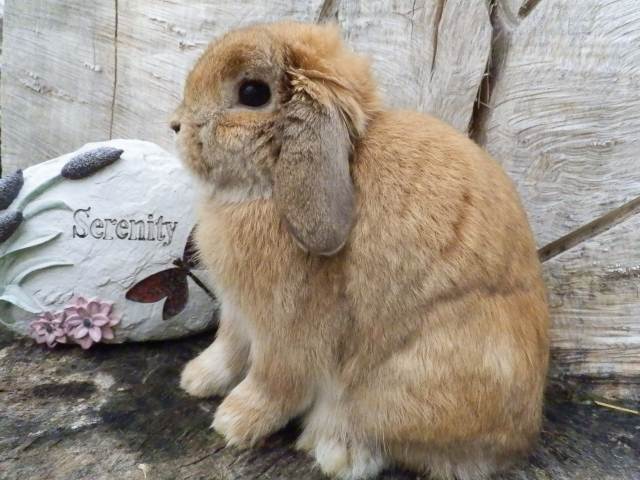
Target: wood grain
562, 116
428, 55
516, 10
158, 42
57, 77
565, 112
594, 292
78, 72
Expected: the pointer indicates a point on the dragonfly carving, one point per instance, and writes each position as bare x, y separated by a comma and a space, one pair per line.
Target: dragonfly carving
171, 283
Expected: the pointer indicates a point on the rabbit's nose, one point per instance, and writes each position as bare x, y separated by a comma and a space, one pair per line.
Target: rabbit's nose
175, 126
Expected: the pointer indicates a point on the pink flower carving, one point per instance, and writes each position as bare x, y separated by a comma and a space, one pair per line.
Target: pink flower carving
84, 322
89, 321
49, 328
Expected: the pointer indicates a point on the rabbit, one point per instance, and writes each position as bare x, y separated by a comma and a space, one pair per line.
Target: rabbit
377, 275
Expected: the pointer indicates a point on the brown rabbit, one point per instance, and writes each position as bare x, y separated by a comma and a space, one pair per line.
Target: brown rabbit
376, 270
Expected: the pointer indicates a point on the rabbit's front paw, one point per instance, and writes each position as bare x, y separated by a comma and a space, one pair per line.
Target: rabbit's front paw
209, 373
346, 461
246, 416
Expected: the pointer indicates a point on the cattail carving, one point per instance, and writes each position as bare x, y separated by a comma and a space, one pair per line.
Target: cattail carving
9, 223
10, 188
87, 163
80, 166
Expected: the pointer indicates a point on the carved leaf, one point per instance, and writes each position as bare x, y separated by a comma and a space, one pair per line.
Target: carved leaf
28, 240
15, 295
36, 266
44, 206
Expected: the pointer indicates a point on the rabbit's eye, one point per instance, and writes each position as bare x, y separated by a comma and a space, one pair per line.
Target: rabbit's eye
254, 93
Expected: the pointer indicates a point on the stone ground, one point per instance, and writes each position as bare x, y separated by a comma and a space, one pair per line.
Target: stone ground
115, 412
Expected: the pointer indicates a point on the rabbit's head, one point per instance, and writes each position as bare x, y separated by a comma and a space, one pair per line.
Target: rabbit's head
274, 111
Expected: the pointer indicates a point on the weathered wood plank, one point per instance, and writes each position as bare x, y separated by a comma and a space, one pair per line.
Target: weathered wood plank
594, 291
170, 36
428, 55
565, 111
517, 9
463, 47
561, 121
117, 412
57, 77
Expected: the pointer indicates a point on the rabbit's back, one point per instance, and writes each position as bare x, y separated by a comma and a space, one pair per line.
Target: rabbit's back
437, 219
447, 299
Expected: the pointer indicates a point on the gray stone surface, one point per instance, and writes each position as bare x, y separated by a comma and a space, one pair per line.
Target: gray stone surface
116, 413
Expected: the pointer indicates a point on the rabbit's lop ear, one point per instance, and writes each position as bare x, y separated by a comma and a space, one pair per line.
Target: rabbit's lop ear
312, 184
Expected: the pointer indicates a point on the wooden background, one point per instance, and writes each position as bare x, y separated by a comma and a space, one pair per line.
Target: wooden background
550, 87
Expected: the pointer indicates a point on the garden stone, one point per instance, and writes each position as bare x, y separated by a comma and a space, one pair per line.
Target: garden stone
102, 234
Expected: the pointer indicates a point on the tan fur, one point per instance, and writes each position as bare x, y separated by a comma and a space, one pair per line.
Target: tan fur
423, 341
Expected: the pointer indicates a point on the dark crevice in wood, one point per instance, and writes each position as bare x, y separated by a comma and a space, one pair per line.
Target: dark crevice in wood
204, 457
437, 19
115, 70
412, 14
527, 7
481, 105
590, 230
328, 11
